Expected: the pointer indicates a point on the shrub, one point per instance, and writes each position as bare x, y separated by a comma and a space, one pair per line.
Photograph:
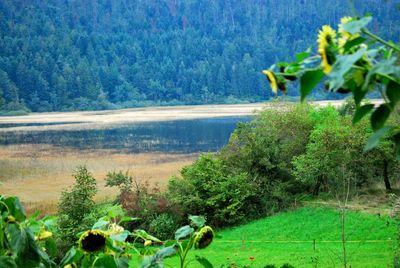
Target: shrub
74, 205
207, 188
163, 226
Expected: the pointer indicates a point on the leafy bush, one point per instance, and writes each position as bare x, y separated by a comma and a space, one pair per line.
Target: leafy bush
207, 188
163, 226
74, 205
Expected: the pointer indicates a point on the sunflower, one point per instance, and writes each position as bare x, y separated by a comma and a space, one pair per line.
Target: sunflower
204, 237
43, 235
114, 229
342, 32
344, 35
92, 241
326, 46
273, 81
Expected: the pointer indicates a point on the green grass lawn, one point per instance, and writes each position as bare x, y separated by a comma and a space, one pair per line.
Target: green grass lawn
288, 238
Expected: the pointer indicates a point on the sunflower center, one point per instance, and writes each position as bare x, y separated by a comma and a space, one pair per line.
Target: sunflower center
93, 242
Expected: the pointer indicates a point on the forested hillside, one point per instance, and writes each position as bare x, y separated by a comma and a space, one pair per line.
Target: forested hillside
73, 55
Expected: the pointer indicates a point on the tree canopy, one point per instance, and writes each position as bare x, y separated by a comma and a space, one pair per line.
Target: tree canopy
74, 55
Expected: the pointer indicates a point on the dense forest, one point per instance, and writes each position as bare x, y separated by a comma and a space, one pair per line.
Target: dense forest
74, 55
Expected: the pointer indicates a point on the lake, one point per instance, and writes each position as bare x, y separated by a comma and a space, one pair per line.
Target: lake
180, 136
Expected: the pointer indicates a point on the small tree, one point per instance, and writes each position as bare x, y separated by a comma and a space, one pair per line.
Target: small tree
123, 181
74, 205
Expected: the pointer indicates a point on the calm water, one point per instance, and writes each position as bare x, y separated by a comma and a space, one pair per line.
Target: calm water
185, 136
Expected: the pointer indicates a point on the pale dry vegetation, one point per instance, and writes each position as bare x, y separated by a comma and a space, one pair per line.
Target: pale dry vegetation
38, 173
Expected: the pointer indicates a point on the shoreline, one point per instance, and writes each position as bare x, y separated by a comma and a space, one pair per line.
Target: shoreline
111, 118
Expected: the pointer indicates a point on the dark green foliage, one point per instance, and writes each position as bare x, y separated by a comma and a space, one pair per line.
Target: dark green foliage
81, 55
163, 226
251, 176
23, 242
74, 205
284, 152
208, 188
121, 180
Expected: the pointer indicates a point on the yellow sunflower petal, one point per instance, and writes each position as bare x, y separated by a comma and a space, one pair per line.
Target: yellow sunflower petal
44, 235
326, 42
272, 80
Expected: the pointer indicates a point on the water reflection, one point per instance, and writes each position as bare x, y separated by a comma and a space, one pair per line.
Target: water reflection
184, 136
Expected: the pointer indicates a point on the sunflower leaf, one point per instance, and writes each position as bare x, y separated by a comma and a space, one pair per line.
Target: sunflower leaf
302, 56
105, 261
385, 67
183, 232
361, 112
373, 141
73, 255
7, 262
393, 92
309, 80
16, 208
342, 65
197, 221
379, 116
354, 42
355, 26
204, 262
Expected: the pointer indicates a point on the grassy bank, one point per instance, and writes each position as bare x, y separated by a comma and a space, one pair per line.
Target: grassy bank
288, 238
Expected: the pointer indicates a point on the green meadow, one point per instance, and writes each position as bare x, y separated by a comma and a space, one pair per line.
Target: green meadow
288, 238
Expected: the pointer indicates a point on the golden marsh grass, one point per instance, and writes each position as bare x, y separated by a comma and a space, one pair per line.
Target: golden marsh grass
38, 173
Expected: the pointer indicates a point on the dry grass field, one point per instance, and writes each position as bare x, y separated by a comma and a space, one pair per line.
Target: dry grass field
38, 173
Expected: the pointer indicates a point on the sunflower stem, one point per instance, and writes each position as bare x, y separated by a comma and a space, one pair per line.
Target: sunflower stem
380, 40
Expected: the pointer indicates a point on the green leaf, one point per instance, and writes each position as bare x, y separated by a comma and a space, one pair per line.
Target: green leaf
361, 112
373, 141
49, 221
197, 221
51, 246
393, 92
100, 224
155, 261
7, 262
105, 261
354, 42
28, 253
121, 237
110, 245
166, 252
342, 65
302, 55
73, 255
379, 116
355, 26
385, 67
16, 208
145, 236
183, 232
16, 237
358, 94
310, 80
204, 262
168, 243
123, 262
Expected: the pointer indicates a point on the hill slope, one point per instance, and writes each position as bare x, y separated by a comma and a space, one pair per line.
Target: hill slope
79, 55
